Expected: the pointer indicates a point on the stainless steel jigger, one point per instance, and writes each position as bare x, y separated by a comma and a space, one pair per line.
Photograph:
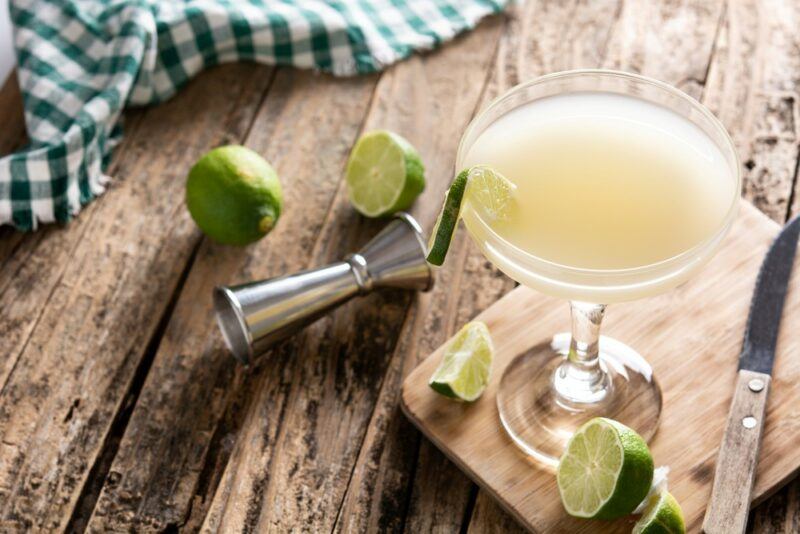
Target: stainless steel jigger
254, 316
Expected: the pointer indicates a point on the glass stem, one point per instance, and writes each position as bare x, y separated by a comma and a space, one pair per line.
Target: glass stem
580, 379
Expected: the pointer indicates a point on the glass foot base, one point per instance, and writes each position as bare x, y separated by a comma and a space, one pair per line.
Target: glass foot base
541, 421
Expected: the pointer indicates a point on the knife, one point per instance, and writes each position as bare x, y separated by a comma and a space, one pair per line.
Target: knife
738, 454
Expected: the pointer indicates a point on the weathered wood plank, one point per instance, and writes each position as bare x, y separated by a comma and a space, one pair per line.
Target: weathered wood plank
488, 517
378, 493
33, 264
213, 401
754, 89
780, 514
61, 397
298, 484
12, 134
669, 41
305, 127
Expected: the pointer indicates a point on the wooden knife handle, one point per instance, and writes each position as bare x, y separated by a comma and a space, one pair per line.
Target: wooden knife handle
738, 456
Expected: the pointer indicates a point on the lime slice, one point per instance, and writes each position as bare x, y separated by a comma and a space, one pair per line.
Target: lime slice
663, 515
234, 195
605, 472
384, 174
448, 219
466, 365
487, 191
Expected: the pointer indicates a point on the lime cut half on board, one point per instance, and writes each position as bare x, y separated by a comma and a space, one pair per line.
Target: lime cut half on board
466, 364
663, 515
384, 174
486, 190
605, 472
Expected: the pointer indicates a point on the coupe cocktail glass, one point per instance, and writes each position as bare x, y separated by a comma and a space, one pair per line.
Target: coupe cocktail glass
624, 187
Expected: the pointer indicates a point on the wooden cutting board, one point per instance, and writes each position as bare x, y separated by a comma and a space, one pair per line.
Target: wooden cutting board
691, 336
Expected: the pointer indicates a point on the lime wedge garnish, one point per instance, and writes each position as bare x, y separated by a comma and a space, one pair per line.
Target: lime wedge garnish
663, 515
384, 174
487, 191
605, 472
466, 365
448, 219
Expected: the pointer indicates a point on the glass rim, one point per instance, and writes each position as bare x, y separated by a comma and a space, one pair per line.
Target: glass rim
712, 240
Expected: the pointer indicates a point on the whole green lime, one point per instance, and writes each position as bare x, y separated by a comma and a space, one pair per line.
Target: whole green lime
234, 195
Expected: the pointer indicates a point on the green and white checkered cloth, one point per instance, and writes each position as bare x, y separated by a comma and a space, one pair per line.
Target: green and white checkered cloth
81, 61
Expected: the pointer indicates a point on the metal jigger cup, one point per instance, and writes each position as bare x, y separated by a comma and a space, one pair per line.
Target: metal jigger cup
256, 315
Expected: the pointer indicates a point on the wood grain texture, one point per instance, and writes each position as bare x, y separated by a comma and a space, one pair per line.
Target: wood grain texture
691, 336
435, 89
12, 133
780, 513
72, 373
735, 468
33, 264
753, 88
200, 421
154, 478
488, 517
380, 489
670, 41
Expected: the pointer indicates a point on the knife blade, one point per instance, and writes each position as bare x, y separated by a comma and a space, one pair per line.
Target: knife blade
738, 455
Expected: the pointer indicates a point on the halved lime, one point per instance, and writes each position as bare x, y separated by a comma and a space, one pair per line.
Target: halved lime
384, 174
466, 365
663, 515
486, 190
605, 472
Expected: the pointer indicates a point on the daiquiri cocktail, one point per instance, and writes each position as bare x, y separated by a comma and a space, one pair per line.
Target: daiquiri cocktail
622, 187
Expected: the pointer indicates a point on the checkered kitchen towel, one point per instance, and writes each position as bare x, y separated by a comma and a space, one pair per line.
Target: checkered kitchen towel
81, 61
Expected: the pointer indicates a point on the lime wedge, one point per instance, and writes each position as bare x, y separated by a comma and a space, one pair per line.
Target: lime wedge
466, 365
663, 515
384, 174
605, 472
487, 191
446, 223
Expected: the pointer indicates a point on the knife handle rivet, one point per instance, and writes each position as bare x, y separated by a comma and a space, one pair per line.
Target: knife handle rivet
756, 385
749, 422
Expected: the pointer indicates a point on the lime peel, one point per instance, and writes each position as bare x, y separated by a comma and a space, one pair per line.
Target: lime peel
486, 190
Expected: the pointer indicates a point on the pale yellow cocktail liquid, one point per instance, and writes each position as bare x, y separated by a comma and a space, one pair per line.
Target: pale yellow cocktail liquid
604, 181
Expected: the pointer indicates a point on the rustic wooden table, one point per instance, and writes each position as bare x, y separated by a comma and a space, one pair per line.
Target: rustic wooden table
119, 408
